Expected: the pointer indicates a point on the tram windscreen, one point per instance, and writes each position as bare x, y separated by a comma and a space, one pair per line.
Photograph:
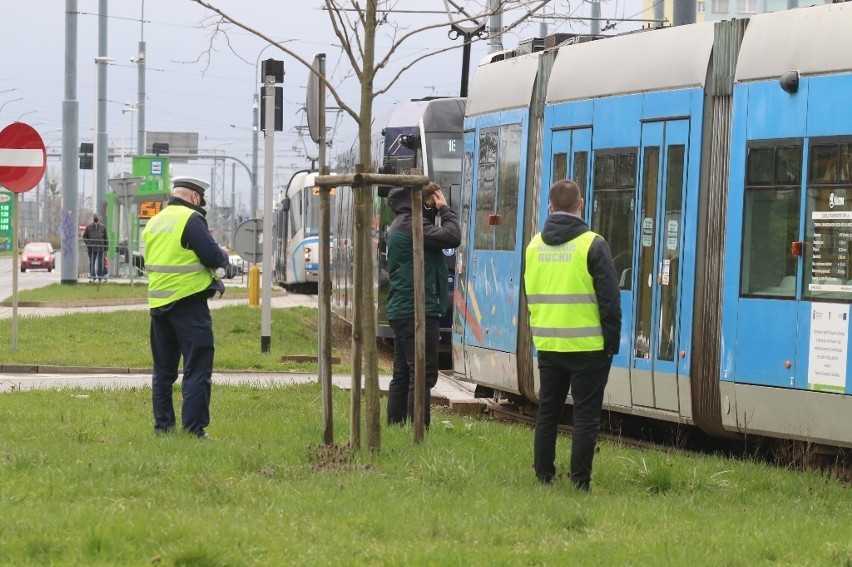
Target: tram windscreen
312, 210
444, 161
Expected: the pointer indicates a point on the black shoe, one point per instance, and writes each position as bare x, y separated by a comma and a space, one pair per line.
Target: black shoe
205, 436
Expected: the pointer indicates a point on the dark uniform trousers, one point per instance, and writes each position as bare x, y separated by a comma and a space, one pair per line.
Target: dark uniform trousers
401, 388
185, 329
586, 374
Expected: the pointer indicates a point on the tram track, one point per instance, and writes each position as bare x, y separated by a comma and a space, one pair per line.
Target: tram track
667, 437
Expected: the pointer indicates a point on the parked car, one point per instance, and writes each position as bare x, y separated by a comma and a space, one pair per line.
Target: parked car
238, 265
38, 256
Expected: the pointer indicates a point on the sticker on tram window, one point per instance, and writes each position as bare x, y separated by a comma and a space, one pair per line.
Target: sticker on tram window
647, 232
671, 235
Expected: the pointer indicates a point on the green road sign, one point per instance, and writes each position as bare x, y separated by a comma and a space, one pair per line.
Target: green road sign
7, 210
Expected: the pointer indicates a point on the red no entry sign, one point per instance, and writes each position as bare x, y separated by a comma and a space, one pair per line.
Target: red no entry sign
22, 157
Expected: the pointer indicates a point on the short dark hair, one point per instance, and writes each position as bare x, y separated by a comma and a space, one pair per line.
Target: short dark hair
430, 189
565, 196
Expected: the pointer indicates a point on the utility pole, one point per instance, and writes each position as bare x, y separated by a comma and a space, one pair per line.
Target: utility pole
101, 137
140, 93
70, 129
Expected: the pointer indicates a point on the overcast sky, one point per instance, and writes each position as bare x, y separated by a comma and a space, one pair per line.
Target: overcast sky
190, 88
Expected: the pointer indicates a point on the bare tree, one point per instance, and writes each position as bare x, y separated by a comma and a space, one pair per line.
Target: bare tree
356, 23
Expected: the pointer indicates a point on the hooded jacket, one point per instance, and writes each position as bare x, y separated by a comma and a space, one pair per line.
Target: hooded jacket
400, 257
561, 227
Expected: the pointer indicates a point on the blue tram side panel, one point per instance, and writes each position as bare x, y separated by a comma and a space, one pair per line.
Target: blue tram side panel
786, 308
494, 194
641, 126
726, 200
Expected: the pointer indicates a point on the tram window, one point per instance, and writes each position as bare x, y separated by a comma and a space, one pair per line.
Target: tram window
560, 167
788, 166
445, 162
828, 224
823, 164
604, 172
507, 194
845, 173
625, 168
771, 221
759, 168
295, 216
497, 188
486, 188
614, 199
581, 169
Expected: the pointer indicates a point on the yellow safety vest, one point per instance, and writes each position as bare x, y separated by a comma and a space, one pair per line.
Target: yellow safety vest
173, 271
564, 315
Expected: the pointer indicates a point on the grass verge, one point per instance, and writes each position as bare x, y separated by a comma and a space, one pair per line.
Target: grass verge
120, 340
85, 482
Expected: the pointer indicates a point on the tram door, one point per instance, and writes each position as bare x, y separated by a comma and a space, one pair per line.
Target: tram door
494, 270
655, 335
571, 151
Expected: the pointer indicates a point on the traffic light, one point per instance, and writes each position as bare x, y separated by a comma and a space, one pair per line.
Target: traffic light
278, 125
275, 69
86, 159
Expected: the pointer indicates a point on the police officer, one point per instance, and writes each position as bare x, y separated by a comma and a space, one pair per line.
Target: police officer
180, 259
575, 318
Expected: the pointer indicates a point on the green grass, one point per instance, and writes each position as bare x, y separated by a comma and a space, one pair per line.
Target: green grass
83, 291
85, 482
120, 339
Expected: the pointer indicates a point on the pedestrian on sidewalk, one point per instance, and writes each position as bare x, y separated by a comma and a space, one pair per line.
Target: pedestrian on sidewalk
181, 257
437, 237
575, 318
95, 239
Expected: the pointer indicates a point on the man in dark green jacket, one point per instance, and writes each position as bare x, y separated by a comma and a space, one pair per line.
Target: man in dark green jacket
437, 237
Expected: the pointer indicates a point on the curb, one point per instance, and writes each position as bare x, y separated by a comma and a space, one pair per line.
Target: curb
116, 301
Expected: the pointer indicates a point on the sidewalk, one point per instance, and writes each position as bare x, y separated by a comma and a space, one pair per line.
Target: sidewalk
448, 392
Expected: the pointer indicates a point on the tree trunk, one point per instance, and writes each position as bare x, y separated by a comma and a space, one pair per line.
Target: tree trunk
368, 319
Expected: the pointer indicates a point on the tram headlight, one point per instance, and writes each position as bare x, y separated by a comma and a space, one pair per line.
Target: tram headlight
307, 255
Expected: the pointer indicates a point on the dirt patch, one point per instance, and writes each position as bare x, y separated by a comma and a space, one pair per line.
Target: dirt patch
341, 344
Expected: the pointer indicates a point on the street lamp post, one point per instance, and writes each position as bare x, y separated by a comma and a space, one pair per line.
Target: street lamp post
127, 149
18, 119
2, 106
101, 139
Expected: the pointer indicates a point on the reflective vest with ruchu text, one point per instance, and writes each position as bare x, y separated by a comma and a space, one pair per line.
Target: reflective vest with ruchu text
564, 315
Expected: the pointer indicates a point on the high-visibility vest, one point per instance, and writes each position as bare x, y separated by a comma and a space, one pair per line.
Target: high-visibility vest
173, 271
564, 315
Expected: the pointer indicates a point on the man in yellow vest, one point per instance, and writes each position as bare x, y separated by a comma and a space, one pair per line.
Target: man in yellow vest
181, 257
575, 319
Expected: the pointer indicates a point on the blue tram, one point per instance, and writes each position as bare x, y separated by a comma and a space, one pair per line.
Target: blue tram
424, 134
716, 160
295, 255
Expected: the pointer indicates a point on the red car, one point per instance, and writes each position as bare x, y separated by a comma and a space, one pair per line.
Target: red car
38, 256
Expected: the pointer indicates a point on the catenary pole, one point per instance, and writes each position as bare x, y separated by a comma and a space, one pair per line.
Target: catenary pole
70, 128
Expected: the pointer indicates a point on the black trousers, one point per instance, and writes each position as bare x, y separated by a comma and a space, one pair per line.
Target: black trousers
401, 389
586, 374
186, 329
